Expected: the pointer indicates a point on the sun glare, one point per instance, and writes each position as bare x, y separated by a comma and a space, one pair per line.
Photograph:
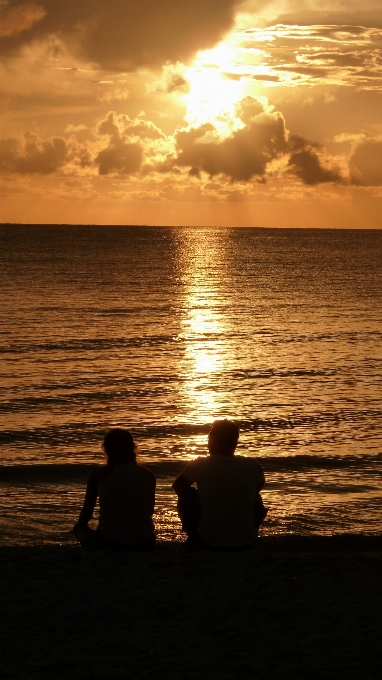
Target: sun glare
213, 91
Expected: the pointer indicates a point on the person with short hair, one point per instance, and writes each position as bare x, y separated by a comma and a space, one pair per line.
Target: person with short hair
126, 493
225, 511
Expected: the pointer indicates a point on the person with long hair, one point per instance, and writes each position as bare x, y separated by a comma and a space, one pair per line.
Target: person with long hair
126, 494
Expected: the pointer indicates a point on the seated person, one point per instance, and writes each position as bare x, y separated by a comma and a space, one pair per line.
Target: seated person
126, 493
226, 509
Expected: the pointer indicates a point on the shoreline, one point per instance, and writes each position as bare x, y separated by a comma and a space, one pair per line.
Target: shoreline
294, 543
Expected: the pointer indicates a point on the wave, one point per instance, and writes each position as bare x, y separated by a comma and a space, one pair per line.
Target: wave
88, 345
83, 433
79, 472
74, 345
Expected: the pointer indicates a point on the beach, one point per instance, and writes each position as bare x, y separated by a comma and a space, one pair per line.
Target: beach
294, 607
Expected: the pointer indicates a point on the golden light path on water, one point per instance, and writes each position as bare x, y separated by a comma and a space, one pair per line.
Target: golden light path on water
201, 322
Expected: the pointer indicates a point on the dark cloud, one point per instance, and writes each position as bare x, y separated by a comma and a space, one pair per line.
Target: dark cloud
15, 20
126, 34
253, 76
122, 156
264, 77
247, 152
32, 155
313, 71
306, 164
243, 155
123, 159
120, 146
299, 143
366, 164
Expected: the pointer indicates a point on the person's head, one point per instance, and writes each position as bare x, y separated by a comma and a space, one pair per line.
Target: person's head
223, 438
119, 446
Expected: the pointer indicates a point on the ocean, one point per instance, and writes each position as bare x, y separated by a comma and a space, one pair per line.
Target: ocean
162, 330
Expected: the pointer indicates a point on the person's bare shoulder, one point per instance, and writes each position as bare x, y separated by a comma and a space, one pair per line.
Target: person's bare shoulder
99, 473
146, 473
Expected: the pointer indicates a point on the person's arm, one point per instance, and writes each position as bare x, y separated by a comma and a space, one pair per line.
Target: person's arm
184, 481
154, 482
259, 511
261, 481
181, 484
89, 503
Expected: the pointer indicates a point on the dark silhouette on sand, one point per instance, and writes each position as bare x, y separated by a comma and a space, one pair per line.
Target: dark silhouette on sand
225, 511
126, 493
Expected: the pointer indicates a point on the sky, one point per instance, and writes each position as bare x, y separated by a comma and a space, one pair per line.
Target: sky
192, 112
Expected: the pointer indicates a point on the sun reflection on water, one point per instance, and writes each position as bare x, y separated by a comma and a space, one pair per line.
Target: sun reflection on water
203, 328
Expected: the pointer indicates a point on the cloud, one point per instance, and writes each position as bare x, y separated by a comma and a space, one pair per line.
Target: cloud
113, 94
173, 80
312, 54
365, 164
21, 18
121, 127
126, 34
258, 147
75, 128
307, 165
338, 58
127, 139
241, 156
116, 146
253, 151
122, 158
32, 155
346, 15
308, 12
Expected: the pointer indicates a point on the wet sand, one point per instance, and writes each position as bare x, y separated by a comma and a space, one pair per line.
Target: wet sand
301, 608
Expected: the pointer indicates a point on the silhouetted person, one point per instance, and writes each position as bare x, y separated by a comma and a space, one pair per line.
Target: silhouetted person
126, 493
225, 511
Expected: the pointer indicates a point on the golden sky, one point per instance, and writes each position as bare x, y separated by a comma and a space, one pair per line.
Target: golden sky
192, 112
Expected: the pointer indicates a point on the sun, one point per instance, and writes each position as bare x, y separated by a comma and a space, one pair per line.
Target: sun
213, 90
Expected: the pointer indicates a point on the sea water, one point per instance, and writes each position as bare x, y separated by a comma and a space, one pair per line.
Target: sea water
162, 330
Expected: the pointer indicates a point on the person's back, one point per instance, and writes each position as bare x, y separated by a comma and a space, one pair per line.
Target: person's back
125, 503
228, 490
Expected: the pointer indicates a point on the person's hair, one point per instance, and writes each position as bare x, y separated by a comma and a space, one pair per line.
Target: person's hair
223, 438
119, 446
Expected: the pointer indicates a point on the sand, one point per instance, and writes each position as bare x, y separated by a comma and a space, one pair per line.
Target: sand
292, 608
